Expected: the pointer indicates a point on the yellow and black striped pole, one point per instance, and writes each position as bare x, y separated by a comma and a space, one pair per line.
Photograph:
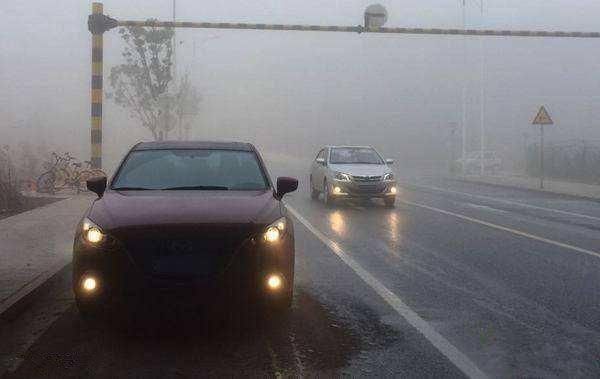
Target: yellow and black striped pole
97, 74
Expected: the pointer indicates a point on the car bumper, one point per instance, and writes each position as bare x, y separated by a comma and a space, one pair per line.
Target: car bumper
352, 189
119, 278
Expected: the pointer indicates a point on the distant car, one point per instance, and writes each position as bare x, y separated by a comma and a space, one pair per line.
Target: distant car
352, 172
199, 220
473, 160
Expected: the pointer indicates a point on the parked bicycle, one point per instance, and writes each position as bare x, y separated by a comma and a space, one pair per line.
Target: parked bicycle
65, 172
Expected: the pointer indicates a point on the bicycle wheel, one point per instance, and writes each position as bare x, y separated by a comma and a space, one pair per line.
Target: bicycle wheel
45, 182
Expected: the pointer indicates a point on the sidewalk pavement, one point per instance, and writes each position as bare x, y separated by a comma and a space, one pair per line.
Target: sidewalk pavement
34, 245
527, 182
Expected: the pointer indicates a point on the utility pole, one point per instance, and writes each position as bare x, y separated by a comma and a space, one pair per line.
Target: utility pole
176, 119
174, 40
464, 91
482, 99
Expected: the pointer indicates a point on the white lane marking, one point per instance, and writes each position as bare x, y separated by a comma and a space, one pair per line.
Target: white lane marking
504, 228
503, 201
485, 207
460, 360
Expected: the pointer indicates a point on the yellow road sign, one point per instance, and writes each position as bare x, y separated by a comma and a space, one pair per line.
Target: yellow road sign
543, 117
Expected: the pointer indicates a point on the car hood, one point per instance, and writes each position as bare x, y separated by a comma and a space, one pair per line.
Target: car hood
146, 208
361, 169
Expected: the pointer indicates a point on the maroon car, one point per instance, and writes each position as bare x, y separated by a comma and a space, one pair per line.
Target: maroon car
197, 219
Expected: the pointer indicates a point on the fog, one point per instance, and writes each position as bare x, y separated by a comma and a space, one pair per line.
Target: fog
290, 92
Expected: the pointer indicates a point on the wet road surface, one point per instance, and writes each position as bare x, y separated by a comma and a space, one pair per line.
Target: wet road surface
509, 278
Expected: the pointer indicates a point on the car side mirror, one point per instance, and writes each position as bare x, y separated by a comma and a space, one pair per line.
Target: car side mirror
389, 161
321, 161
286, 185
97, 185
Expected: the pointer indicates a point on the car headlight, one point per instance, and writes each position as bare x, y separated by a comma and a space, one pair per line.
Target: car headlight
341, 176
388, 176
275, 230
91, 232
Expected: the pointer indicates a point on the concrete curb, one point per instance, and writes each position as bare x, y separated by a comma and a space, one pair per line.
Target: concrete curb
18, 301
525, 188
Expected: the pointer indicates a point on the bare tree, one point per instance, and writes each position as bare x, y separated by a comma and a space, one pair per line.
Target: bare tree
144, 83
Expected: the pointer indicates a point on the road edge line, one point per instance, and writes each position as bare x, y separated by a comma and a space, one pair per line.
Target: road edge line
459, 359
24, 295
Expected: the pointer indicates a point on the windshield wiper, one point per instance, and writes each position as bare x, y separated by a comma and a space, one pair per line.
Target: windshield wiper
202, 188
131, 189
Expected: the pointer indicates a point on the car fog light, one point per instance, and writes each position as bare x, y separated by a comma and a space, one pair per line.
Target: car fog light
274, 282
337, 190
89, 284
393, 190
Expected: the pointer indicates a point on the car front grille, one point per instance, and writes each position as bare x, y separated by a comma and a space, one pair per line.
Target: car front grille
366, 178
180, 252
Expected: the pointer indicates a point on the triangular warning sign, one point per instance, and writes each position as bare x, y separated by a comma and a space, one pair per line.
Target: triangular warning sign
542, 118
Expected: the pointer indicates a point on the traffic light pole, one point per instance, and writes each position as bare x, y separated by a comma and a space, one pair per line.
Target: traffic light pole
98, 23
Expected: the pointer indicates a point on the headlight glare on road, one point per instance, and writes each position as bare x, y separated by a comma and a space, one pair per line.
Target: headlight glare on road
275, 230
342, 177
388, 176
91, 232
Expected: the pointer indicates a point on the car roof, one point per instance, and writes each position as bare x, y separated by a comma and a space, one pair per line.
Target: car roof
171, 145
353, 146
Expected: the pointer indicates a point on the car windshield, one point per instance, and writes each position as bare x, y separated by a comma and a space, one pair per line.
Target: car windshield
199, 169
354, 155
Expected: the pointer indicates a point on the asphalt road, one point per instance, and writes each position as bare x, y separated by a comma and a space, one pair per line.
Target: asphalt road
458, 280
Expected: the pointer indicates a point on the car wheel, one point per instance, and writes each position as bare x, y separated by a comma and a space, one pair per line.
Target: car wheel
390, 201
327, 199
314, 193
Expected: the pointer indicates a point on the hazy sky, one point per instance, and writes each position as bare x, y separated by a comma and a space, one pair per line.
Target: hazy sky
312, 87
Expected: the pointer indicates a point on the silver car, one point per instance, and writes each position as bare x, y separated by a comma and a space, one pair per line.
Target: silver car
346, 172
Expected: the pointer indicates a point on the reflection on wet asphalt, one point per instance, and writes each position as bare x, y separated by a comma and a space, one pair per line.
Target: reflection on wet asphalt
172, 344
515, 306
308, 340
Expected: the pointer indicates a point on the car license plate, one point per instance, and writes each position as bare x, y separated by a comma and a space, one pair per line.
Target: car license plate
190, 264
